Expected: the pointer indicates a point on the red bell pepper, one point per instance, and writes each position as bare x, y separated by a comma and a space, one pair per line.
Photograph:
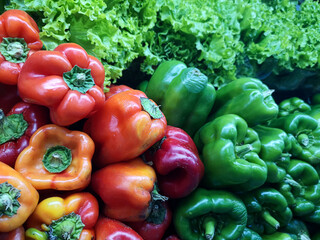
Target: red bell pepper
67, 80
114, 89
16, 234
177, 163
125, 127
126, 189
19, 38
111, 229
8, 97
17, 127
155, 226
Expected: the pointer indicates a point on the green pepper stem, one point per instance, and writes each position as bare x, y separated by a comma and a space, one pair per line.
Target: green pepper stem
267, 93
79, 79
9, 203
305, 140
270, 220
14, 49
284, 157
35, 234
304, 236
243, 150
156, 196
209, 226
57, 159
151, 108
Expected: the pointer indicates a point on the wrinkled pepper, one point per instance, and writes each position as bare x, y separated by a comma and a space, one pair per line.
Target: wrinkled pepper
267, 209
155, 226
19, 39
111, 229
57, 158
9, 96
177, 163
127, 190
73, 218
17, 127
67, 80
184, 93
301, 188
227, 144
210, 214
247, 97
306, 132
18, 198
292, 105
16, 234
126, 126
275, 147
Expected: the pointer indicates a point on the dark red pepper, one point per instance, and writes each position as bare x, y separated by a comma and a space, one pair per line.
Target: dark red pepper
155, 226
16, 234
30, 118
8, 97
177, 163
172, 237
110, 229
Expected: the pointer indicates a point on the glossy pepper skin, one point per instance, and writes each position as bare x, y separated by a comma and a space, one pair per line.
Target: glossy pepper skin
19, 38
25, 119
292, 105
67, 80
18, 198
126, 189
278, 236
184, 93
210, 214
267, 210
9, 96
247, 97
74, 216
249, 234
111, 229
306, 132
297, 229
177, 163
275, 147
125, 127
227, 143
57, 158
155, 226
16, 234
301, 188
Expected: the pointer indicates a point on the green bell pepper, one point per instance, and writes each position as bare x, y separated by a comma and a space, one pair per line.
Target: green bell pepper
184, 94
277, 236
306, 132
292, 105
210, 214
297, 229
315, 112
247, 97
275, 147
249, 234
267, 210
301, 188
229, 151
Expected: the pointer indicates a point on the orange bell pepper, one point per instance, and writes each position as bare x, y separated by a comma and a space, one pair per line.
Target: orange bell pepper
19, 38
16, 234
74, 217
127, 190
18, 198
125, 127
57, 158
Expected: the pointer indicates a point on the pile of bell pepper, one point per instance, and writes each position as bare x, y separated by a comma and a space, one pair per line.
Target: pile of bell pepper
175, 158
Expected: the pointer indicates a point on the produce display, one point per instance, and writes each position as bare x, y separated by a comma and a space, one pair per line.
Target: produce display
159, 120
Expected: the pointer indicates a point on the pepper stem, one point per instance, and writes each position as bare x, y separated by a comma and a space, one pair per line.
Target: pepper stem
243, 150
57, 159
79, 79
305, 139
270, 220
14, 49
151, 108
35, 234
267, 93
9, 203
209, 226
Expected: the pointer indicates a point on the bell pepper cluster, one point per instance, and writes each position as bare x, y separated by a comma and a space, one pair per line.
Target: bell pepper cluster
177, 159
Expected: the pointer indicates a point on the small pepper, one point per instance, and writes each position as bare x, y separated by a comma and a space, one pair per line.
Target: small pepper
8, 97
275, 147
18, 198
111, 229
72, 218
57, 158
267, 209
127, 190
17, 127
306, 132
184, 93
210, 214
67, 80
227, 144
19, 38
125, 127
177, 163
155, 226
292, 105
247, 97
16, 234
